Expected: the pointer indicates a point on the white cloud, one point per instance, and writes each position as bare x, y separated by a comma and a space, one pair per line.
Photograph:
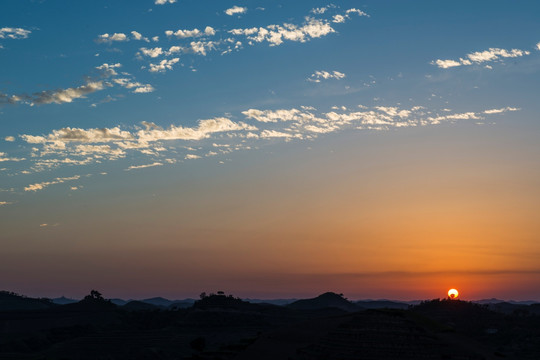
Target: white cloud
41, 186
67, 95
153, 53
14, 33
338, 19
445, 64
144, 89
276, 34
236, 10
163, 65
106, 38
318, 75
501, 110
163, 2
478, 57
74, 146
538, 46
134, 167
69, 134
319, 11
356, 11
3, 158
182, 34
275, 134
272, 116
138, 87
203, 130
200, 47
109, 69
138, 36
9, 138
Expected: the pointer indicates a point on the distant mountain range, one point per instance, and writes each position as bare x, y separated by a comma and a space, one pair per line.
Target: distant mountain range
325, 300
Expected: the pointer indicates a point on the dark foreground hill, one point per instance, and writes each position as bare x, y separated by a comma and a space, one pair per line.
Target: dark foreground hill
326, 300
222, 327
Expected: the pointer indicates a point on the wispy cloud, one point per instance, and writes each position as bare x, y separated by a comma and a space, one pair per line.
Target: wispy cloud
68, 95
501, 110
163, 2
4, 157
14, 33
3, 203
221, 135
42, 185
318, 75
135, 167
236, 10
276, 34
479, 57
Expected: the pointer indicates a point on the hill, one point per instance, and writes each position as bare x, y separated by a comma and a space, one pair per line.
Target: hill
326, 300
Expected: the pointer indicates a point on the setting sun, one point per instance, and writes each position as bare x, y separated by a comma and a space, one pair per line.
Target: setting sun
453, 293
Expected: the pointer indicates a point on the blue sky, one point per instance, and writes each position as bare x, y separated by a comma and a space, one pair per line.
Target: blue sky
129, 99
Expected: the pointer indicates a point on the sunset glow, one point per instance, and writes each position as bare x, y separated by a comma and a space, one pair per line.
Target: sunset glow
270, 150
453, 294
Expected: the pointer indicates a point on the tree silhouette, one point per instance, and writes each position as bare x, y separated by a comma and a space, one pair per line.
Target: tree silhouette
95, 296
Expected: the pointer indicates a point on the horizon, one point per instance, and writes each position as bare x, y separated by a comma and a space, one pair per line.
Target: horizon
247, 298
171, 147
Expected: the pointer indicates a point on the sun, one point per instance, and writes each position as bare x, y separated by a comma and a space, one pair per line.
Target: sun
453, 293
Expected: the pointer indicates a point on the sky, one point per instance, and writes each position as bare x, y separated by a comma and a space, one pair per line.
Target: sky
379, 149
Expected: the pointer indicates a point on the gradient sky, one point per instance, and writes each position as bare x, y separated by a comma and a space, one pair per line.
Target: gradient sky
380, 149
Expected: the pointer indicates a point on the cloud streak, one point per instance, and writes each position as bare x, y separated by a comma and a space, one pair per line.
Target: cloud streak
43, 185
479, 57
325, 75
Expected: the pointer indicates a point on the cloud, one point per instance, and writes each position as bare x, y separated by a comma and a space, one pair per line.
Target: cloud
275, 134
14, 33
153, 53
203, 130
106, 38
538, 46
73, 146
445, 64
272, 116
318, 75
138, 36
62, 96
236, 10
478, 57
182, 34
200, 47
69, 134
3, 158
276, 34
108, 70
9, 138
3, 203
163, 65
66, 95
41, 186
501, 110
163, 2
135, 167
136, 86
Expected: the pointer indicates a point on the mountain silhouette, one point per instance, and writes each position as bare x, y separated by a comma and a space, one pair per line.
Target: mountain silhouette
326, 300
